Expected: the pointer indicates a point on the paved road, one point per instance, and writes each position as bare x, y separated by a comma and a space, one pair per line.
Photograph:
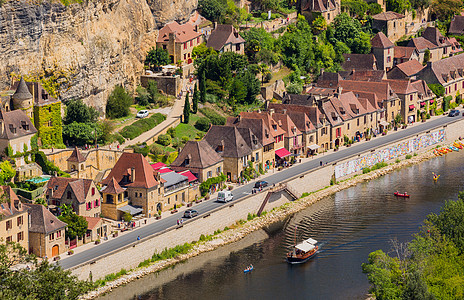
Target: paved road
243, 191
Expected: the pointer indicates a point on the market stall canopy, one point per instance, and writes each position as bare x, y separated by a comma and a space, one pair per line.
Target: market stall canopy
282, 153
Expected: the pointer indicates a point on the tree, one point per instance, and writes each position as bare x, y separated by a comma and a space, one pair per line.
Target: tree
348, 31
252, 86
118, 103
42, 281
212, 10
399, 6
445, 10
426, 56
237, 91
186, 109
294, 88
164, 139
319, 25
81, 133
203, 87
77, 111
7, 172
66, 210
203, 124
77, 225
127, 217
201, 51
157, 57
195, 99
374, 8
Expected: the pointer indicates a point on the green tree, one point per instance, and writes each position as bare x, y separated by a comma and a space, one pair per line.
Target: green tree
195, 99
66, 210
374, 9
81, 133
445, 10
118, 103
77, 225
212, 9
78, 111
202, 87
164, 139
186, 118
157, 57
348, 31
319, 25
426, 56
399, 6
252, 86
420, 4
237, 91
42, 281
203, 124
201, 51
127, 217
7, 172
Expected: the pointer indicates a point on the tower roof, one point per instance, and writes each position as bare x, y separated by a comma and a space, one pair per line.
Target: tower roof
380, 40
76, 156
22, 92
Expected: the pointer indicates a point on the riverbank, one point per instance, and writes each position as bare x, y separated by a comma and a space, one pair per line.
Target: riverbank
244, 228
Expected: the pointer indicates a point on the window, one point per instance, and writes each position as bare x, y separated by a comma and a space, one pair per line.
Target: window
185, 45
89, 205
257, 156
358, 121
219, 169
183, 196
51, 236
348, 126
389, 58
198, 40
311, 139
8, 239
185, 56
238, 47
164, 47
9, 225
68, 195
392, 103
97, 202
58, 234
365, 119
93, 191
411, 97
209, 174
455, 86
20, 221
191, 43
20, 236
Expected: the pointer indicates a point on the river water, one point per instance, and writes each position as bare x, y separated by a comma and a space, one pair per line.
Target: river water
349, 225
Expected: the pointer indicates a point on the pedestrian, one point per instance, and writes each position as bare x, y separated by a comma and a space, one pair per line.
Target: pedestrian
177, 222
320, 163
118, 147
181, 221
138, 238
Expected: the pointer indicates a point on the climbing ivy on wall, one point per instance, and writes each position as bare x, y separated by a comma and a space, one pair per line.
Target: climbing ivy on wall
49, 135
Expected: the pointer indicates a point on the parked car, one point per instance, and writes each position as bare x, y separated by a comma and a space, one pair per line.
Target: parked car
225, 196
260, 184
453, 113
142, 114
190, 213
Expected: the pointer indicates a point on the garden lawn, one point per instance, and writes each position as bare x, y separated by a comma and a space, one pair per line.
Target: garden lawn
187, 129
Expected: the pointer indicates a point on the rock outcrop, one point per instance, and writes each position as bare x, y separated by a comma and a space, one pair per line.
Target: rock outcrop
97, 43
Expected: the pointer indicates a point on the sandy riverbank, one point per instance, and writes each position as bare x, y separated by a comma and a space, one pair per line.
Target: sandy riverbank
273, 216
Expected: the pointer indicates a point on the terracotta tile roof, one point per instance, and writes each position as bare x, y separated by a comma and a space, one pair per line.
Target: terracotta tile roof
320, 5
363, 75
359, 62
22, 92
380, 40
56, 187
420, 43
331, 113
122, 172
410, 67
402, 87
92, 222
112, 187
404, 52
370, 97
329, 79
224, 34
445, 69
199, 20
257, 126
227, 141
381, 89
43, 221
15, 124
423, 90
182, 33
270, 122
199, 154
302, 121
457, 25
76, 156
313, 112
304, 99
387, 16
316, 90
12, 206
286, 124
433, 35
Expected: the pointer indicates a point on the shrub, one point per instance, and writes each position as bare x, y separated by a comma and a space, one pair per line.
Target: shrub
215, 118
397, 160
164, 139
251, 216
172, 132
305, 194
156, 149
137, 128
142, 149
206, 185
203, 124
210, 98
118, 103
409, 156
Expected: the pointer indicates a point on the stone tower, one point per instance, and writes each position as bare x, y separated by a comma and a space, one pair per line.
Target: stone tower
22, 98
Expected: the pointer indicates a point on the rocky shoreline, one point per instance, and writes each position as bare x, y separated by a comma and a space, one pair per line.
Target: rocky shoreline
276, 215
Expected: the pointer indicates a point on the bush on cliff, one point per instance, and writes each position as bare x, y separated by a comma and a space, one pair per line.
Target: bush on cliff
118, 103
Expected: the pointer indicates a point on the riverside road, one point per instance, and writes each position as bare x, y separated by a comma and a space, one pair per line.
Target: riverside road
242, 191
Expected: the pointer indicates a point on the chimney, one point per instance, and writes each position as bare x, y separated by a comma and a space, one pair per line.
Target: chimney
196, 28
271, 111
132, 174
339, 90
214, 25
284, 111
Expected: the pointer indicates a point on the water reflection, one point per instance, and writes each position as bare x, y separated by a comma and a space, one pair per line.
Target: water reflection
349, 225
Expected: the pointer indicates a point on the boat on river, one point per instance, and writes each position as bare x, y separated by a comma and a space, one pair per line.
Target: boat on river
248, 269
404, 195
302, 252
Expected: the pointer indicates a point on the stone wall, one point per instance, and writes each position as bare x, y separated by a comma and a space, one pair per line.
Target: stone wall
170, 85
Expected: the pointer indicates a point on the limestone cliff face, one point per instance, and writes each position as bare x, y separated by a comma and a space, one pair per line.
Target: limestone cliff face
103, 41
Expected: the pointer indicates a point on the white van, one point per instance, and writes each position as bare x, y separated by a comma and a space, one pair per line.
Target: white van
225, 196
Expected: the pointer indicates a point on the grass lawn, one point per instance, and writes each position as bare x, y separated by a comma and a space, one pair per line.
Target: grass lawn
187, 129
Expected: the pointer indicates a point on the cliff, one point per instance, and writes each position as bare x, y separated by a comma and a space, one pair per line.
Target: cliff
97, 44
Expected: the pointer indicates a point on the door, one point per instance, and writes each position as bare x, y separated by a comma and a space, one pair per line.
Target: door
55, 250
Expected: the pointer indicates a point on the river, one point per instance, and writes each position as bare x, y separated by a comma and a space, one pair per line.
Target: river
349, 225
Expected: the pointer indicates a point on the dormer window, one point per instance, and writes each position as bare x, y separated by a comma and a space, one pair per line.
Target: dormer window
12, 128
24, 125
186, 161
220, 148
274, 127
44, 95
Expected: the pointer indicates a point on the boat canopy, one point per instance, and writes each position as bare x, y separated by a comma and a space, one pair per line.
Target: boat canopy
305, 247
311, 241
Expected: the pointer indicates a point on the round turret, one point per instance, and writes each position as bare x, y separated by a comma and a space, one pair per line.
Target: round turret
22, 98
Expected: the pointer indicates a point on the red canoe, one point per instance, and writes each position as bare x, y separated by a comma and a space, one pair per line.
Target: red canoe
401, 195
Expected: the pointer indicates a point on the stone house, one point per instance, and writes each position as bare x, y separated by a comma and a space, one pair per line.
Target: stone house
293, 137
46, 232
143, 188
96, 229
262, 132
115, 198
391, 23
225, 38
176, 189
276, 132
433, 41
447, 72
457, 25
200, 159
16, 131
409, 98
14, 219
257, 156
425, 97
405, 70
179, 41
81, 194
328, 9
404, 54
232, 147
383, 50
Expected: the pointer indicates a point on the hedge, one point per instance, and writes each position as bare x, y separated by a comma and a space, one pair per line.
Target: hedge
137, 128
215, 118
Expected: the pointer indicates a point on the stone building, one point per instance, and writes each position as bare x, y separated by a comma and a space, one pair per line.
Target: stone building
176, 189
46, 232
383, 50
328, 9
391, 23
225, 38
16, 131
22, 99
14, 219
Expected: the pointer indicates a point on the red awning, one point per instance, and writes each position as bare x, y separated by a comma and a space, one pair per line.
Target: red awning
165, 170
411, 106
422, 104
189, 175
282, 153
431, 101
158, 165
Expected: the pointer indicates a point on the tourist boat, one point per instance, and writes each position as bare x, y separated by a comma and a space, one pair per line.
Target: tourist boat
397, 194
248, 269
454, 148
457, 145
302, 252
